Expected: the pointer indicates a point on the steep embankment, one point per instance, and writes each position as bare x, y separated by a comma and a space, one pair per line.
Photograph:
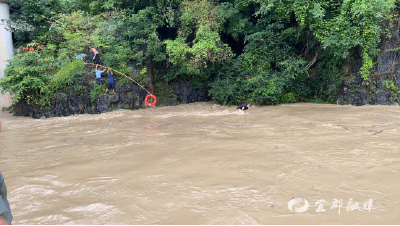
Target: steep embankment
383, 86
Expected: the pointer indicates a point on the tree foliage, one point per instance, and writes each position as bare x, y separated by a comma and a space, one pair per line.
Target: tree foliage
262, 51
198, 44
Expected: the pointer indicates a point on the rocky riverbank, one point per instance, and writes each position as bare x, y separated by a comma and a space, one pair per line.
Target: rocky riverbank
383, 86
71, 102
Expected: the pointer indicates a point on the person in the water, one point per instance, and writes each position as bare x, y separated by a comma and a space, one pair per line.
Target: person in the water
243, 107
5, 211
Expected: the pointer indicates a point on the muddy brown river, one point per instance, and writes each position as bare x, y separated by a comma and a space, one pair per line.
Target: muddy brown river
206, 164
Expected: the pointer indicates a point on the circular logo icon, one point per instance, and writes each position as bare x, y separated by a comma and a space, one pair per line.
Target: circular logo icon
298, 201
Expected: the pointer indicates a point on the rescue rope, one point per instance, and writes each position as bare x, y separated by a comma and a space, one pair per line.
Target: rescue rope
121, 74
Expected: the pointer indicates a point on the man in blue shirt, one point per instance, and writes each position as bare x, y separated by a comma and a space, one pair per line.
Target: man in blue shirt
98, 75
5, 211
111, 83
80, 56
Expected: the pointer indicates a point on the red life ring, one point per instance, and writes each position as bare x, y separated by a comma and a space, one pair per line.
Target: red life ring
154, 98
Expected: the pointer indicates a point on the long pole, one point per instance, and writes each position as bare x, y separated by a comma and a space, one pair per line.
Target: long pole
121, 74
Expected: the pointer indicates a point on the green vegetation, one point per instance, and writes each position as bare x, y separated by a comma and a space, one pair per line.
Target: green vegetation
258, 51
96, 90
392, 87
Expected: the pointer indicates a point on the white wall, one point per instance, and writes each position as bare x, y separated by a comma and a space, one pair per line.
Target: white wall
6, 49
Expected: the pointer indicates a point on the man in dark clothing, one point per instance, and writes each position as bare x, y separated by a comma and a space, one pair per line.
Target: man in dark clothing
111, 83
96, 57
90, 56
5, 211
243, 107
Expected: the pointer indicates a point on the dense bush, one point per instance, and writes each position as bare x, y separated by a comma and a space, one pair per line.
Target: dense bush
264, 52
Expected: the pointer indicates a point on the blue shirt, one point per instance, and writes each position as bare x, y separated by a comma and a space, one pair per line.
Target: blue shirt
110, 78
80, 57
5, 210
98, 74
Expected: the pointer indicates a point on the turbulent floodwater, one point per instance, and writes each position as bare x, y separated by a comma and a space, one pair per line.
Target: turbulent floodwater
205, 164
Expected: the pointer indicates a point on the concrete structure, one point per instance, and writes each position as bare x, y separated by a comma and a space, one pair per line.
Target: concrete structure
6, 49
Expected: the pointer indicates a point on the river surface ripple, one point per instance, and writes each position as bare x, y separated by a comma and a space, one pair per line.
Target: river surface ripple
204, 164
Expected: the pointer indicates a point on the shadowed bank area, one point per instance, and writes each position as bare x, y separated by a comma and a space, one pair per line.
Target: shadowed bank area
204, 164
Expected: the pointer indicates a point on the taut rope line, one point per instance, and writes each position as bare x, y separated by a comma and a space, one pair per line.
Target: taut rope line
123, 75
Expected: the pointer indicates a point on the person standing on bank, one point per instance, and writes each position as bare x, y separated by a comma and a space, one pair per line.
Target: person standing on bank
5, 211
111, 82
243, 107
98, 75
96, 57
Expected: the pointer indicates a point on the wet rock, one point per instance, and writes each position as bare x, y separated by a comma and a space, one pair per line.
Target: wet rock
128, 96
184, 93
113, 98
173, 101
103, 104
381, 90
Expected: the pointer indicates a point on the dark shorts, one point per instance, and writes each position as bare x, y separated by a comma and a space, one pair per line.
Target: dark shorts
97, 59
111, 86
98, 81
